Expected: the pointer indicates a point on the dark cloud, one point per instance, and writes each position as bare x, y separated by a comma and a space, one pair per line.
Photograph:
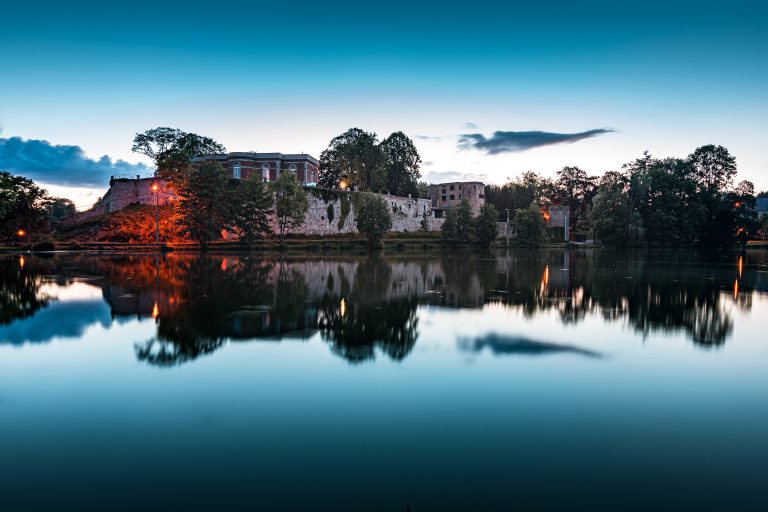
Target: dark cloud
60, 165
518, 345
506, 142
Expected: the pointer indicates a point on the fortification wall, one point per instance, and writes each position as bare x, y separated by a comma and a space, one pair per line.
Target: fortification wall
326, 215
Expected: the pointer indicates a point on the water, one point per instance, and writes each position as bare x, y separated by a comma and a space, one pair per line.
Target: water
520, 380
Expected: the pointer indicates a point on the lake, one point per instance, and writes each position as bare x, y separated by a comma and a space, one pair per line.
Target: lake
515, 380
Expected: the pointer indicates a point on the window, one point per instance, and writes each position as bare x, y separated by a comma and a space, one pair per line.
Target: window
292, 168
481, 196
453, 197
453, 187
265, 172
445, 198
236, 171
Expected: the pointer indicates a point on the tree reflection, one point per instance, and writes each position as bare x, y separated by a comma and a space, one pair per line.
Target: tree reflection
371, 316
20, 294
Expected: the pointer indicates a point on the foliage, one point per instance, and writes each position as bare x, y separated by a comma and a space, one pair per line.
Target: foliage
172, 150
372, 218
610, 218
520, 192
59, 208
401, 162
22, 205
528, 225
252, 203
355, 157
203, 207
290, 203
486, 229
575, 189
459, 226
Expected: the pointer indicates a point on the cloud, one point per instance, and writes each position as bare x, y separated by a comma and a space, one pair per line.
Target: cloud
61, 165
518, 345
431, 138
506, 142
448, 176
471, 126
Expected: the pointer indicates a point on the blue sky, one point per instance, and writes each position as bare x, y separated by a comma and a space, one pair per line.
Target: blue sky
665, 76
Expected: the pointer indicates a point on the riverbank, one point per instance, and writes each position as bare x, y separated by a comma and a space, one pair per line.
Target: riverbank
343, 243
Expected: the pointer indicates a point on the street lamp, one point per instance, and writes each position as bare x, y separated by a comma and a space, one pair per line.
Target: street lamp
156, 190
507, 210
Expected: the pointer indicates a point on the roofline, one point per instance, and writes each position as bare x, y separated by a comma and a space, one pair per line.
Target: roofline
259, 156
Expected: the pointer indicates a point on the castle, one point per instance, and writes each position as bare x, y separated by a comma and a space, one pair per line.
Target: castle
326, 214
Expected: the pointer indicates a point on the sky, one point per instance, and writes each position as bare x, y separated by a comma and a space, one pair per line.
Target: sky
487, 90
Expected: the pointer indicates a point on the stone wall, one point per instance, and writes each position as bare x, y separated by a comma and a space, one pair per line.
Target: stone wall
407, 213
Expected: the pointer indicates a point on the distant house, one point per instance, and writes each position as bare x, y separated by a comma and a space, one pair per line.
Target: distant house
761, 205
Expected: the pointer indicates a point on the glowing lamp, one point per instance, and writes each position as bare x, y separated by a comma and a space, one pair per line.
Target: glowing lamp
21, 232
155, 187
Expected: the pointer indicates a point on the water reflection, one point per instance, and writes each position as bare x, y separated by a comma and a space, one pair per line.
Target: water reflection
364, 307
518, 345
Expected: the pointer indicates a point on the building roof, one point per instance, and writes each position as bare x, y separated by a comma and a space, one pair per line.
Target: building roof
259, 156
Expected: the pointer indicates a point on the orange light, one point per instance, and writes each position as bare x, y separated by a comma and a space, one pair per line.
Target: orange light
343, 185
546, 275
21, 232
21, 261
741, 265
155, 187
224, 264
737, 204
736, 289
155, 311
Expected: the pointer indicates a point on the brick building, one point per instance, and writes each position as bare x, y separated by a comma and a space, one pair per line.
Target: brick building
268, 165
447, 195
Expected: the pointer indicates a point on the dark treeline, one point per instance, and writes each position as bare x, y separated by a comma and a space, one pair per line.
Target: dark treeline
650, 201
26, 209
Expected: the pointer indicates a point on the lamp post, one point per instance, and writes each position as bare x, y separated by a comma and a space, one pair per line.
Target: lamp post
507, 227
156, 189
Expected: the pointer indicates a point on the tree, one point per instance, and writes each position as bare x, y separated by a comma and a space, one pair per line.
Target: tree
172, 149
23, 205
486, 227
59, 208
611, 220
459, 226
290, 203
372, 218
356, 158
575, 189
528, 225
203, 206
712, 168
520, 192
401, 161
252, 203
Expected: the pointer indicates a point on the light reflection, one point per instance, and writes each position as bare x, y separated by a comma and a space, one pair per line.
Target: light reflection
736, 289
155, 311
342, 307
224, 264
21, 261
741, 265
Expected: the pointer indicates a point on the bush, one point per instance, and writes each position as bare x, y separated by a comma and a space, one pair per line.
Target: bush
372, 219
459, 227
